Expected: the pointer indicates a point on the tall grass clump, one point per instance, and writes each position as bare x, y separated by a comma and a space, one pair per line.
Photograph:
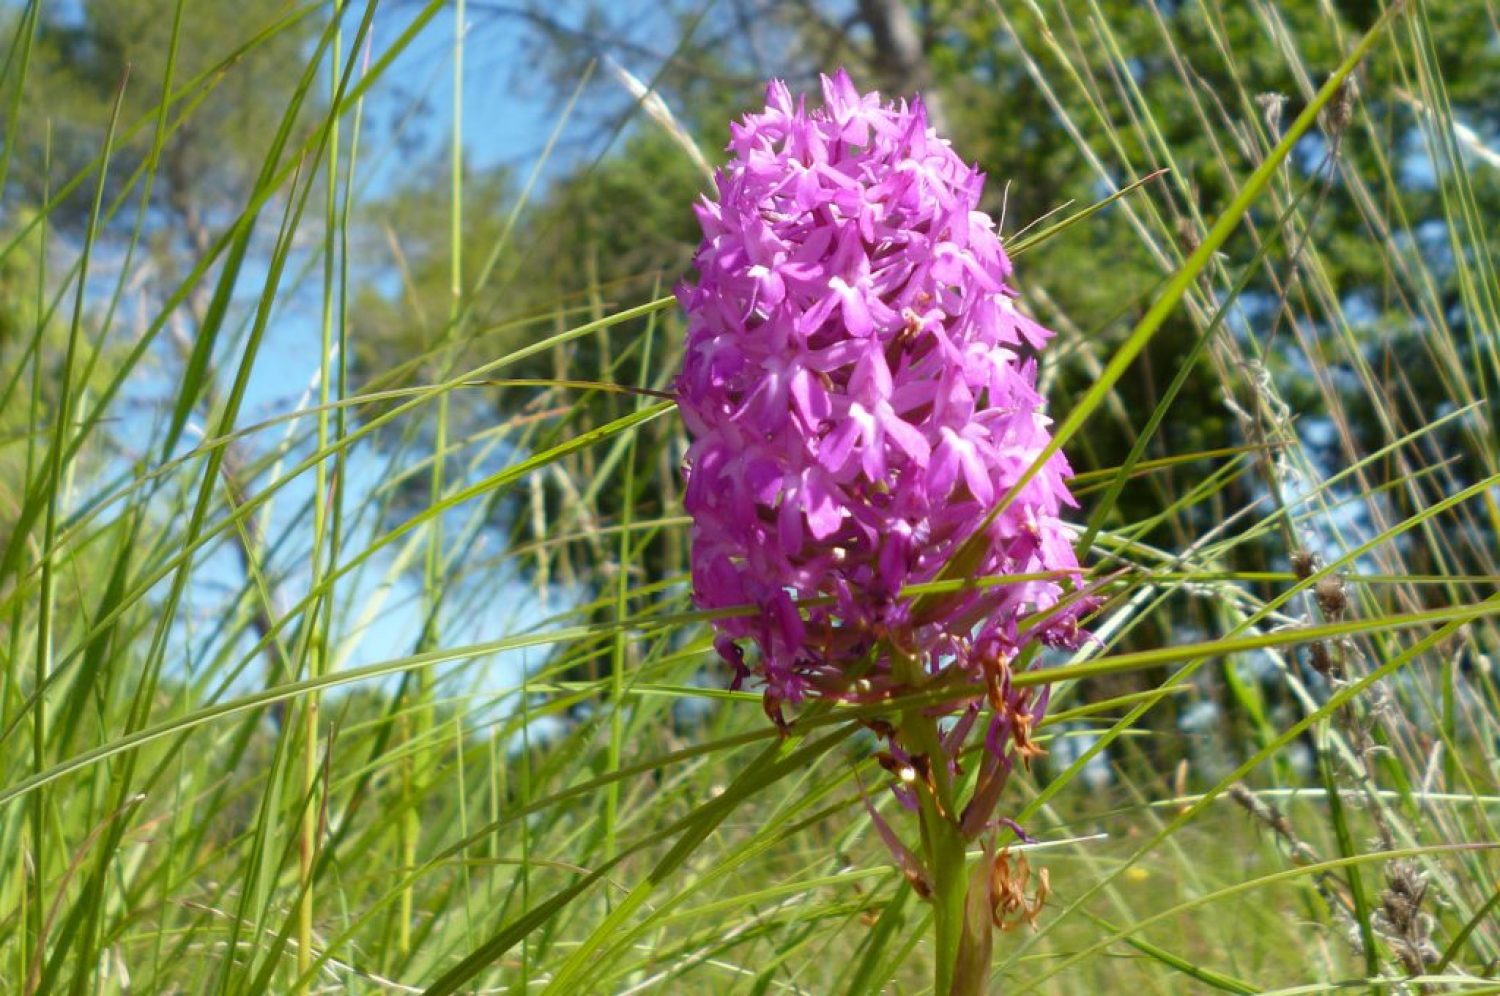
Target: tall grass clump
347, 613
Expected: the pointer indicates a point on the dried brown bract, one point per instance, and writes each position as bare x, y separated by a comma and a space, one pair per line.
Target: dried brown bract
1322, 660
1340, 110
1402, 922
1333, 597
1010, 906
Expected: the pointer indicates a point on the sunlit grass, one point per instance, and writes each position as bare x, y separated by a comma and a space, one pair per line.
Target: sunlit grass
231, 765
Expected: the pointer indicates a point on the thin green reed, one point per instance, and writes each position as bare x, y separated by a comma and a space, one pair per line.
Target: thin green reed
315, 635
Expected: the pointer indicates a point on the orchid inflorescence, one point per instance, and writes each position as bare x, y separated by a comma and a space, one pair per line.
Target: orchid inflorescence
860, 388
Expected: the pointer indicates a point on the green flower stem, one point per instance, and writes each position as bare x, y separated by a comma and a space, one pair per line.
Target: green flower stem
942, 841
946, 857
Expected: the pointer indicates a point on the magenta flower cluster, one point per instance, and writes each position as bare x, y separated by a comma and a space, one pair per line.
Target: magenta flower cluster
860, 396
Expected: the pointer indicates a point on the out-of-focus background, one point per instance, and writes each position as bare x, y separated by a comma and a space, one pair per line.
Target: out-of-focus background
344, 617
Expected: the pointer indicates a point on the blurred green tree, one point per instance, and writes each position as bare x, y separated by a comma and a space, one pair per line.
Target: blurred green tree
85, 54
64, 75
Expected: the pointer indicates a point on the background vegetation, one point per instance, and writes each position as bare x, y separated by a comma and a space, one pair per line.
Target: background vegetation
345, 633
